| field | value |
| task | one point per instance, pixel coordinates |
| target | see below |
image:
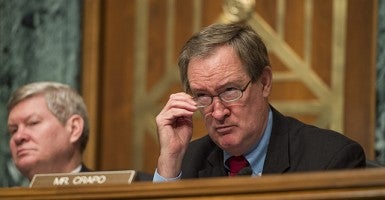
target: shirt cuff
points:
(159, 178)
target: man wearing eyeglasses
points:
(226, 74)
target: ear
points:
(75, 125)
(266, 80)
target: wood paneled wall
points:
(322, 53)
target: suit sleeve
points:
(349, 156)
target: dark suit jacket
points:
(293, 147)
(85, 169)
(143, 176)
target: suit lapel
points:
(277, 158)
(215, 166)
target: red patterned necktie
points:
(236, 163)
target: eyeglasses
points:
(229, 95)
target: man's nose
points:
(220, 111)
(20, 135)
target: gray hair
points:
(245, 41)
(62, 101)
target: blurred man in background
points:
(49, 128)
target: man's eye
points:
(199, 95)
(231, 89)
(32, 123)
(12, 131)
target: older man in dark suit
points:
(226, 74)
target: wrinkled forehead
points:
(29, 106)
(224, 63)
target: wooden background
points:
(322, 53)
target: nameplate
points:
(83, 178)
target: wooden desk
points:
(352, 184)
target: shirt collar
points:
(77, 169)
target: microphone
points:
(246, 171)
